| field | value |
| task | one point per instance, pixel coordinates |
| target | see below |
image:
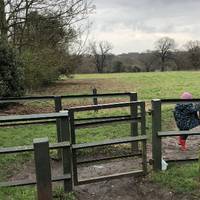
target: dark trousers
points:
(184, 137)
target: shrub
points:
(41, 67)
(11, 72)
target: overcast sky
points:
(134, 25)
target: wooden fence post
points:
(43, 169)
(144, 143)
(156, 141)
(134, 126)
(58, 108)
(95, 101)
(73, 141)
(66, 153)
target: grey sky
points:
(134, 25)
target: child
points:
(186, 118)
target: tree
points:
(181, 60)
(193, 48)
(118, 66)
(100, 51)
(164, 47)
(43, 32)
(44, 50)
(11, 72)
(148, 59)
(14, 14)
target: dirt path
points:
(127, 188)
(171, 149)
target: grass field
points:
(147, 85)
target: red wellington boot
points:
(183, 145)
(179, 140)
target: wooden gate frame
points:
(106, 120)
(158, 134)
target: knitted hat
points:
(186, 95)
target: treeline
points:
(39, 41)
(165, 57)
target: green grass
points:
(25, 193)
(148, 86)
(19, 136)
(152, 85)
(181, 178)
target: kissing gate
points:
(67, 125)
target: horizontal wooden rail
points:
(110, 142)
(182, 160)
(113, 176)
(32, 182)
(98, 95)
(97, 118)
(51, 97)
(20, 149)
(105, 106)
(177, 133)
(15, 118)
(52, 121)
(175, 101)
(27, 123)
(109, 158)
(108, 121)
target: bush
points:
(11, 72)
(41, 67)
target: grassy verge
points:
(180, 178)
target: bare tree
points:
(13, 13)
(164, 47)
(100, 52)
(193, 48)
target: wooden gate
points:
(133, 138)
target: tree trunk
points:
(162, 64)
(3, 22)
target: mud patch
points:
(127, 188)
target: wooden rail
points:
(42, 167)
(175, 101)
(157, 134)
(67, 144)
(177, 133)
(133, 139)
(52, 97)
(110, 142)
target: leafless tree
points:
(13, 13)
(99, 51)
(193, 48)
(164, 47)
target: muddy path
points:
(126, 188)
